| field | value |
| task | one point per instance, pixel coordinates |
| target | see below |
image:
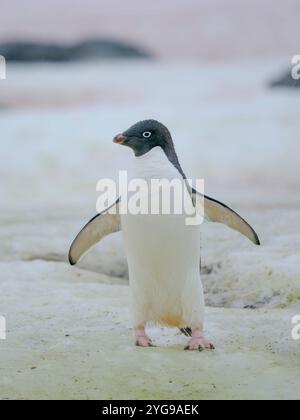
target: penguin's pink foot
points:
(141, 339)
(198, 342)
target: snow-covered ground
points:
(68, 327)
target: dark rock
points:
(286, 80)
(106, 49)
(30, 51)
(85, 50)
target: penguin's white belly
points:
(163, 258)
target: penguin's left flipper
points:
(215, 211)
(97, 228)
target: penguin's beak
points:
(119, 139)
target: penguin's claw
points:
(143, 341)
(199, 343)
(187, 331)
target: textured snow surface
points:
(69, 336)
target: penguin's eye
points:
(146, 134)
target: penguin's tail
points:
(186, 331)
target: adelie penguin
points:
(163, 252)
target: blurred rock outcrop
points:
(85, 50)
(286, 80)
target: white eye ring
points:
(146, 134)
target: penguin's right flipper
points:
(98, 227)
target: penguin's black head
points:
(145, 135)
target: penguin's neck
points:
(155, 164)
(173, 158)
